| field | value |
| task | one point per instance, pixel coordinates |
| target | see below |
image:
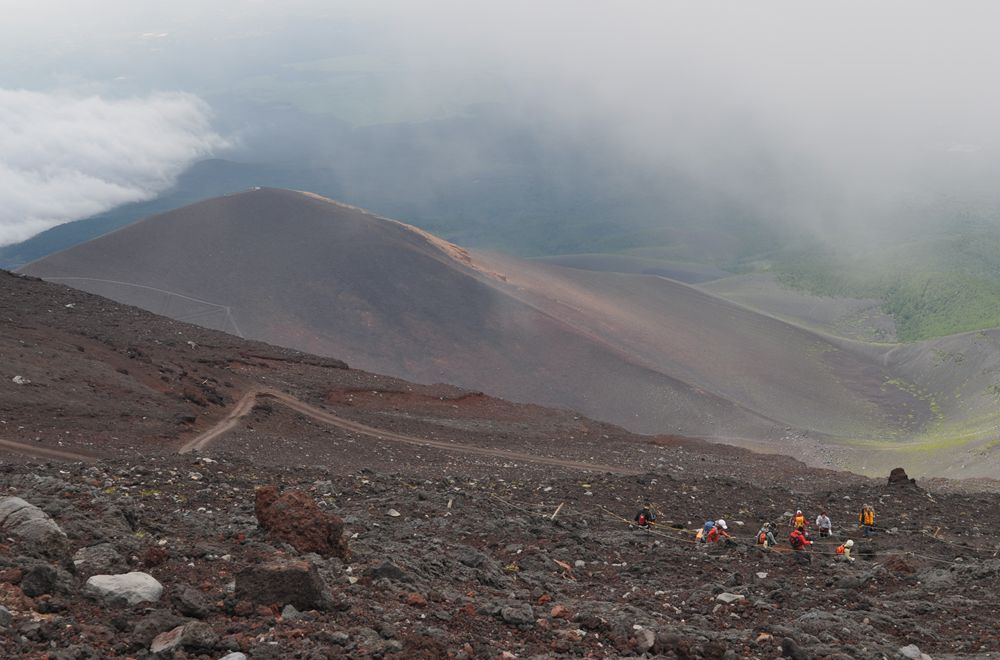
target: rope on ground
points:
(654, 532)
(692, 541)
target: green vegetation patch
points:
(932, 288)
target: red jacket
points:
(798, 540)
(715, 534)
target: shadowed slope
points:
(302, 271)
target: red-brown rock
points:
(11, 575)
(898, 477)
(154, 556)
(416, 600)
(559, 612)
(296, 519)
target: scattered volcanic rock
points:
(520, 614)
(29, 523)
(283, 583)
(898, 477)
(296, 519)
(43, 579)
(131, 588)
(100, 559)
(153, 624)
(386, 571)
(195, 637)
(191, 602)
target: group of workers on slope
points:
(714, 531)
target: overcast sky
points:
(820, 114)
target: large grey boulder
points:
(130, 588)
(282, 583)
(27, 522)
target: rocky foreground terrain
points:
(393, 565)
(322, 511)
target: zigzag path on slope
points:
(247, 401)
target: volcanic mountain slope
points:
(646, 352)
(304, 272)
(456, 548)
(86, 378)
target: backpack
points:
(796, 540)
(840, 549)
(762, 538)
(642, 519)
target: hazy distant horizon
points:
(830, 119)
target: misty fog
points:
(829, 119)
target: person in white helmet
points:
(720, 532)
(844, 550)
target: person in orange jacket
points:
(866, 520)
(799, 520)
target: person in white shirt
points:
(824, 525)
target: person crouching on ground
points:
(824, 525)
(645, 518)
(765, 536)
(844, 550)
(800, 542)
(720, 532)
(705, 529)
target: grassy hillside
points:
(932, 287)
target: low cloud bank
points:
(65, 157)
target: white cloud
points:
(65, 157)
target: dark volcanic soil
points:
(473, 565)
(477, 569)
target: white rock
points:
(579, 563)
(912, 652)
(393, 513)
(133, 587)
(20, 380)
(727, 597)
(234, 656)
(645, 639)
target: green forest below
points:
(932, 287)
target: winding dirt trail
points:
(247, 401)
(44, 452)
